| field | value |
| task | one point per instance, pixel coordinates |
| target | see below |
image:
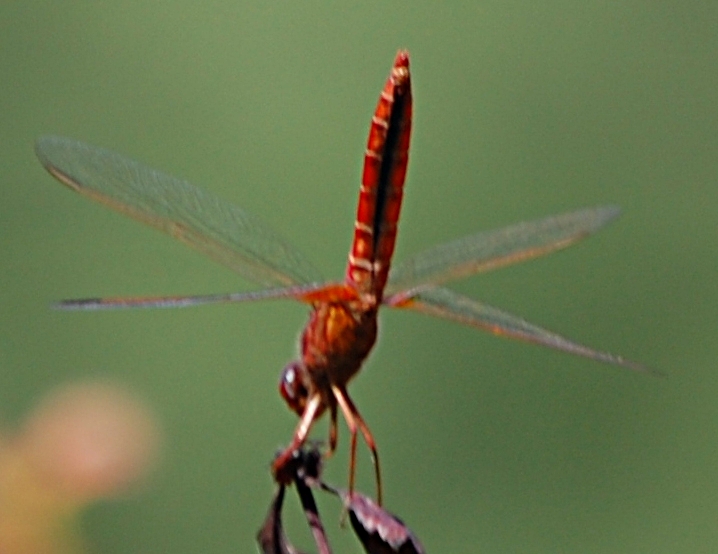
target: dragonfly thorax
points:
(336, 340)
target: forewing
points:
(198, 218)
(450, 305)
(493, 249)
(310, 294)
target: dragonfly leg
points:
(281, 462)
(333, 429)
(354, 421)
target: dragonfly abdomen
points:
(385, 164)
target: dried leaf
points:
(379, 531)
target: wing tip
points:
(45, 147)
(606, 214)
(41, 145)
(638, 367)
(75, 305)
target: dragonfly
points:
(342, 325)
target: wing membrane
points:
(450, 305)
(493, 249)
(194, 216)
(327, 292)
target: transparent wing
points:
(196, 217)
(450, 305)
(315, 292)
(493, 249)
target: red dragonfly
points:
(342, 324)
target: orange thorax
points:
(336, 340)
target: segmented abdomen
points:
(382, 186)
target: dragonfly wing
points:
(327, 292)
(493, 249)
(445, 303)
(220, 230)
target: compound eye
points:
(291, 387)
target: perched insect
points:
(342, 325)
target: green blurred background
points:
(521, 111)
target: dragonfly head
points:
(292, 386)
